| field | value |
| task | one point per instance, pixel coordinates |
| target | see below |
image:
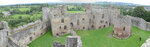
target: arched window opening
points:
(57, 34)
(106, 22)
(99, 27)
(77, 22)
(123, 28)
(30, 38)
(83, 19)
(104, 26)
(65, 27)
(93, 16)
(102, 15)
(89, 21)
(71, 25)
(62, 20)
(83, 27)
(92, 26)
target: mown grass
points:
(101, 38)
(47, 40)
(96, 38)
(25, 15)
(75, 11)
(24, 9)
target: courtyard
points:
(96, 38)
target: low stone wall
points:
(71, 41)
(140, 23)
(25, 34)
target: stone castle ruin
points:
(92, 18)
(122, 27)
(71, 41)
(61, 22)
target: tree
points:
(142, 13)
(139, 11)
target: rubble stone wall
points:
(25, 34)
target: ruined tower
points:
(122, 27)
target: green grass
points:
(99, 38)
(17, 15)
(96, 38)
(24, 9)
(75, 11)
(47, 40)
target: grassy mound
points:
(96, 38)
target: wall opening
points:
(109, 24)
(65, 27)
(104, 26)
(77, 22)
(99, 27)
(30, 38)
(7, 32)
(60, 27)
(93, 16)
(92, 26)
(41, 33)
(57, 34)
(83, 27)
(1, 28)
(102, 15)
(101, 21)
(89, 21)
(106, 22)
(71, 25)
(123, 28)
(83, 19)
(54, 15)
(62, 20)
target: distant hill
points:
(117, 3)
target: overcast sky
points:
(9, 2)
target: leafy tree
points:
(139, 11)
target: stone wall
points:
(147, 43)
(25, 34)
(122, 27)
(4, 32)
(71, 41)
(94, 17)
(140, 23)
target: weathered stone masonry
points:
(92, 18)
(61, 22)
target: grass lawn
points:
(96, 38)
(47, 40)
(75, 11)
(101, 38)
(24, 9)
(26, 15)
(17, 15)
